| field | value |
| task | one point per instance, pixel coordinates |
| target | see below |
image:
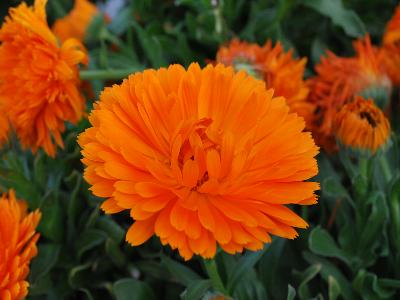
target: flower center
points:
(370, 119)
(246, 64)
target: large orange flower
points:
(38, 78)
(339, 79)
(17, 246)
(199, 157)
(278, 68)
(361, 125)
(75, 24)
(391, 47)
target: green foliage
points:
(352, 248)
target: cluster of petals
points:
(339, 80)
(278, 68)
(17, 246)
(361, 125)
(200, 158)
(76, 22)
(38, 78)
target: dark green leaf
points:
(347, 19)
(132, 289)
(196, 289)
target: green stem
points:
(387, 173)
(111, 74)
(364, 167)
(212, 271)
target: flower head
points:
(391, 47)
(278, 68)
(339, 79)
(17, 246)
(362, 125)
(75, 24)
(38, 78)
(199, 157)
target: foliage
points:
(350, 251)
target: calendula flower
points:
(391, 47)
(38, 78)
(75, 24)
(362, 125)
(340, 79)
(199, 157)
(17, 246)
(276, 67)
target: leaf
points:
(180, 272)
(79, 276)
(88, 240)
(347, 19)
(291, 293)
(108, 225)
(370, 287)
(334, 288)
(41, 265)
(52, 222)
(132, 289)
(245, 263)
(305, 277)
(334, 188)
(152, 46)
(196, 289)
(320, 242)
(115, 253)
(329, 269)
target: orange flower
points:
(199, 157)
(362, 125)
(339, 79)
(38, 79)
(279, 70)
(391, 47)
(17, 246)
(75, 24)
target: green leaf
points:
(114, 252)
(88, 240)
(79, 276)
(196, 289)
(180, 272)
(334, 288)
(245, 263)
(330, 269)
(347, 19)
(370, 287)
(305, 277)
(334, 188)
(52, 222)
(291, 293)
(41, 265)
(132, 289)
(108, 225)
(320, 242)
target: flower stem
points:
(111, 74)
(212, 271)
(387, 173)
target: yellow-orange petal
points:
(17, 245)
(194, 155)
